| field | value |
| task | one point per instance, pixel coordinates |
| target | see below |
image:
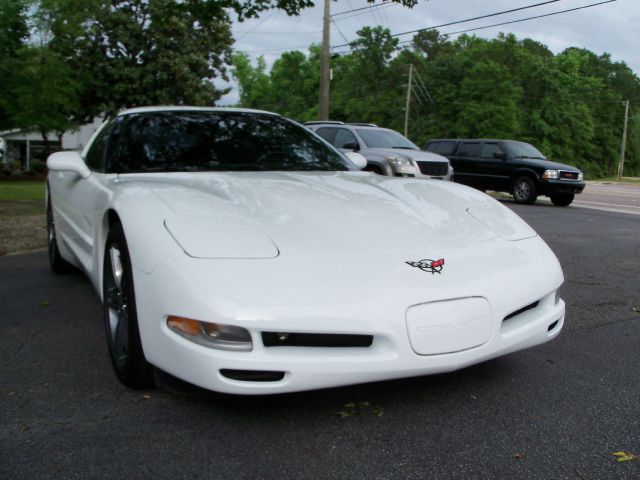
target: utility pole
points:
(624, 140)
(406, 108)
(325, 68)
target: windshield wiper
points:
(406, 148)
(526, 156)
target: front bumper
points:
(562, 186)
(189, 287)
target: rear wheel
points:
(56, 262)
(562, 199)
(524, 190)
(120, 317)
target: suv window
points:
(469, 149)
(344, 137)
(328, 133)
(442, 147)
(488, 149)
(381, 138)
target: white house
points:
(24, 147)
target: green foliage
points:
(44, 91)
(13, 33)
(93, 57)
(141, 52)
(569, 105)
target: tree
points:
(44, 93)
(141, 52)
(13, 33)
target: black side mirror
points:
(351, 146)
(500, 155)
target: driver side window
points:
(344, 137)
(96, 155)
(489, 149)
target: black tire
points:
(57, 264)
(562, 199)
(524, 190)
(120, 315)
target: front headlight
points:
(216, 335)
(580, 177)
(398, 161)
(550, 174)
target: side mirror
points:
(68, 162)
(500, 155)
(351, 146)
(357, 159)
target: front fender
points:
(142, 216)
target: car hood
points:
(268, 214)
(417, 155)
(549, 165)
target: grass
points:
(21, 190)
(19, 198)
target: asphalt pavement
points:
(556, 411)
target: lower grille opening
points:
(291, 339)
(553, 325)
(433, 168)
(521, 310)
(252, 375)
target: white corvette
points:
(238, 251)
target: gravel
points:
(22, 233)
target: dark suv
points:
(510, 166)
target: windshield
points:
(523, 150)
(379, 138)
(197, 141)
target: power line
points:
(339, 31)
(502, 23)
(361, 8)
(528, 18)
(469, 19)
(377, 8)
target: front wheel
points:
(524, 190)
(562, 199)
(120, 317)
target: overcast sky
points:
(612, 27)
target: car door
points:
(493, 167)
(78, 202)
(465, 163)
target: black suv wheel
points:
(524, 190)
(561, 199)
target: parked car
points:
(237, 251)
(510, 166)
(387, 152)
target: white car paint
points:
(314, 252)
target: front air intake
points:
(291, 339)
(252, 375)
(531, 306)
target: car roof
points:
(181, 108)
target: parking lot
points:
(556, 411)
